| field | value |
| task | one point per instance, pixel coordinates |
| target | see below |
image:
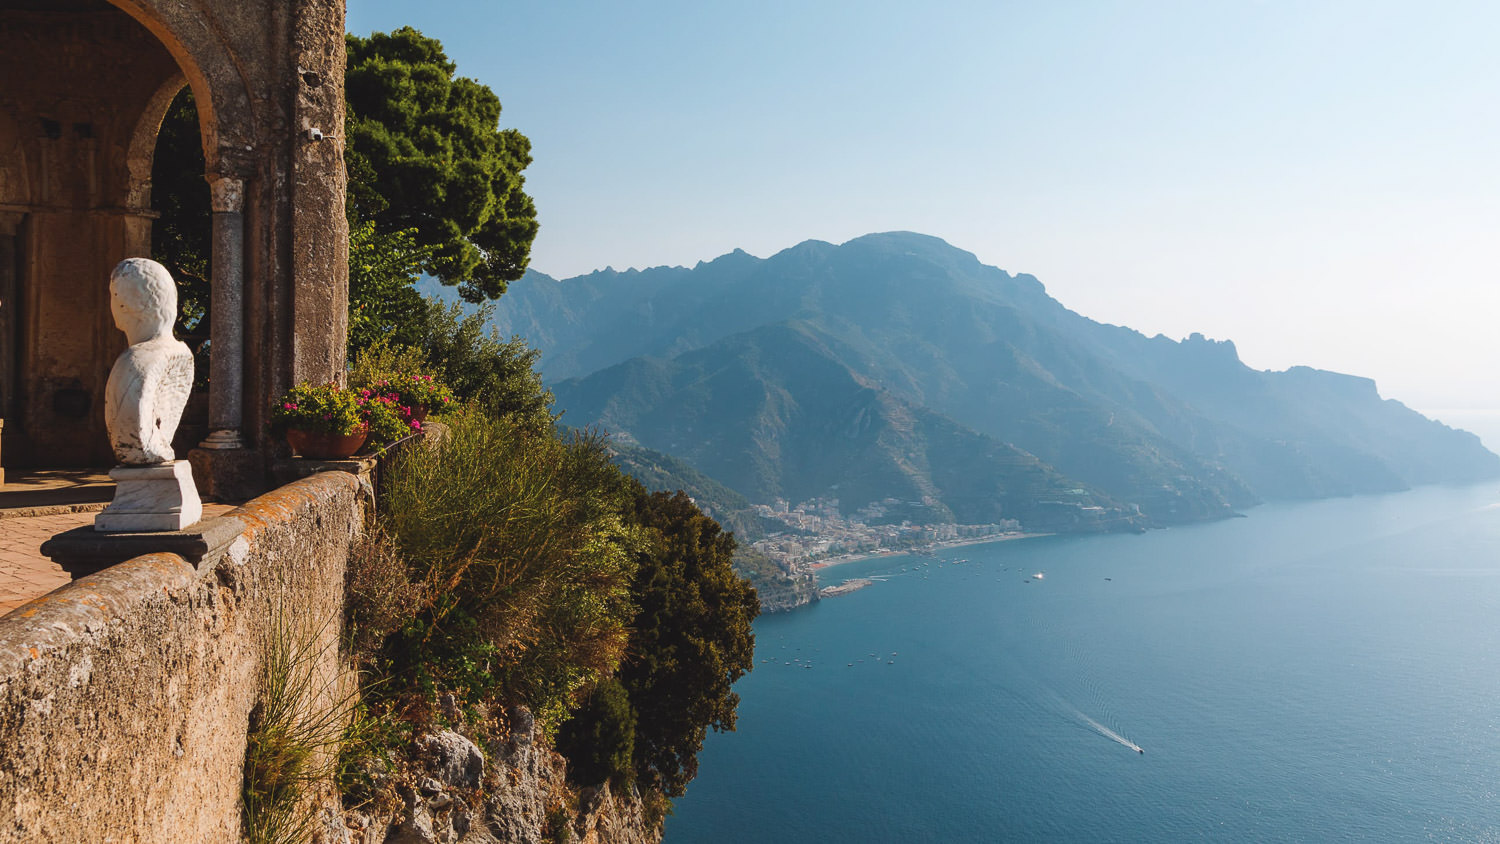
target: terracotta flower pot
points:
(419, 413)
(317, 445)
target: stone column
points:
(225, 466)
(226, 386)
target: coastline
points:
(844, 588)
(947, 543)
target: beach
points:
(948, 543)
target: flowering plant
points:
(389, 420)
(319, 408)
(417, 390)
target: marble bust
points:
(150, 382)
(143, 402)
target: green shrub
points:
(453, 656)
(417, 389)
(379, 597)
(388, 421)
(322, 408)
(384, 360)
(559, 826)
(296, 732)
(691, 639)
(534, 566)
(499, 376)
(517, 540)
(366, 761)
(599, 739)
(383, 299)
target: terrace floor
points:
(37, 504)
(44, 492)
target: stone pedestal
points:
(151, 498)
(83, 550)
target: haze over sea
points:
(1317, 671)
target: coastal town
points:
(818, 534)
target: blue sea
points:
(1321, 671)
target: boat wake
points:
(1108, 733)
(1077, 716)
(1030, 686)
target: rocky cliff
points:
(786, 593)
(513, 790)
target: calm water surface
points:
(1327, 671)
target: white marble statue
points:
(143, 401)
(150, 382)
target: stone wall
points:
(125, 697)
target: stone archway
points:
(79, 74)
(87, 84)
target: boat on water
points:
(1039, 576)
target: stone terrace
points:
(36, 505)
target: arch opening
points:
(88, 85)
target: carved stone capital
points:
(226, 193)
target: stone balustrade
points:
(126, 696)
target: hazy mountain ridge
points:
(676, 358)
(774, 413)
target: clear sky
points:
(1317, 181)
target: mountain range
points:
(896, 366)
